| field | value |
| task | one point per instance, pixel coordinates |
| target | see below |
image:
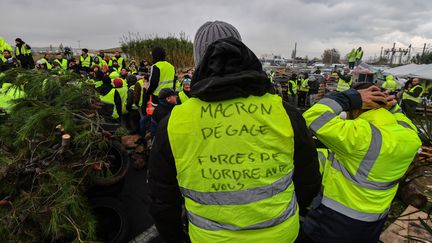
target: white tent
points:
(403, 71)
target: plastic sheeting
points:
(412, 70)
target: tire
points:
(120, 163)
(112, 222)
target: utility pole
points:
(294, 53)
(381, 53)
(401, 52)
(424, 49)
(409, 53)
(79, 44)
(392, 52)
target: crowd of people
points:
(243, 164)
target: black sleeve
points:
(130, 99)
(307, 177)
(166, 201)
(349, 100)
(28, 47)
(154, 79)
(123, 63)
(118, 103)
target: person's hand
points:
(391, 101)
(372, 98)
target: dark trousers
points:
(323, 224)
(302, 96)
(132, 121)
(409, 108)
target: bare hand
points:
(373, 98)
(391, 101)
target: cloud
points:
(266, 26)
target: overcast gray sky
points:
(265, 26)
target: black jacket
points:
(228, 70)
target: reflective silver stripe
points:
(239, 197)
(360, 178)
(396, 109)
(166, 82)
(332, 104)
(406, 125)
(208, 224)
(322, 158)
(372, 154)
(322, 120)
(362, 216)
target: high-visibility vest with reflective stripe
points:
(109, 98)
(343, 86)
(390, 84)
(49, 66)
(22, 51)
(119, 62)
(183, 97)
(371, 153)
(304, 85)
(166, 77)
(359, 54)
(323, 154)
(150, 106)
(123, 92)
(85, 62)
(8, 93)
(293, 86)
(407, 96)
(234, 162)
(63, 63)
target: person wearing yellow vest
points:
(85, 61)
(234, 151)
(358, 56)
(184, 95)
(101, 58)
(343, 84)
(23, 54)
(292, 90)
(9, 62)
(161, 75)
(43, 63)
(167, 100)
(411, 97)
(303, 90)
(351, 58)
(111, 99)
(371, 151)
(62, 63)
(4, 46)
(390, 84)
(120, 60)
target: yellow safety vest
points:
(85, 62)
(49, 66)
(63, 63)
(123, 92)
(8, 94)
(119, 61)
(183, 97)
(390, 84)
(166, 78)
(359, 54)
(109, 98)
(407, 96)
(294, 87)
(343, 86)
(234, 162)
(304, 85)
(140, 102)
(370, 155)
(22, 51)
(102, 62)
(352, 56)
